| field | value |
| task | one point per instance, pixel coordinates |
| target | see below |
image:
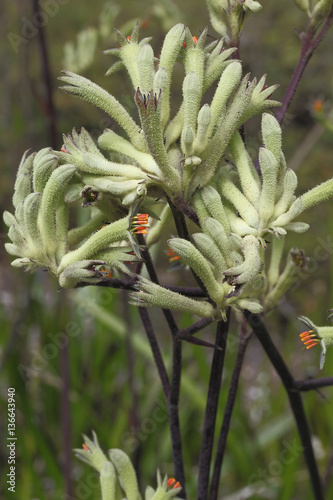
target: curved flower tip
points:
(322, 335)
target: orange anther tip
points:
(171, 481)
(85, 447)
(177, 485)
(318, 105)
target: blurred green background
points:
(110, 380)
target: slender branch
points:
(173, 400)
(65, 410)
(156, 351)
(221, 445)
(186, 333)
(177, 452)
(128, 284)
(185, 208)
(133, 411)
(310, 43)
(295, 399)
(211, 408)
(308, 385)
(153, 276)
(47, 78)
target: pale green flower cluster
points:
(196, 159)
(118, 479)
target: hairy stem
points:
(211, 408)
(295, 399)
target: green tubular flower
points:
(84, 270)
(146, 68)
(217, 232)
(250, 268)
(211, 251)
(44, 163)
(172, 45)
(322, 335)
(110, 141)
(118, 478)
(166, 489)
(52, 197)
(90, 92)
(191, 256)
(213, 203)
(112, 233)
(149, 294)
(126, 474)
(151, 123)
(108, 479)
(92, 453)
(248, 176)
(269, 171)
(229, 80)
(194, 56)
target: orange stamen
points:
(140, 224)
(85, 447)
(172, 256)
(171, 481)
(318, 106)
(194, 38)
(64, 150)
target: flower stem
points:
(173, 400)
(295, 399)
(211, 408)
(156, 351)
(177, 452)
(221, 445)
(308, 385)
(310, 43)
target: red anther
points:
(85, 447)
(171, 481)
(177, 485)
(140, 224)
(64, 150)
(311, 345)
(128, 38)
(311, 341)
(306, 334)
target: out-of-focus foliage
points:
(126, 406)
